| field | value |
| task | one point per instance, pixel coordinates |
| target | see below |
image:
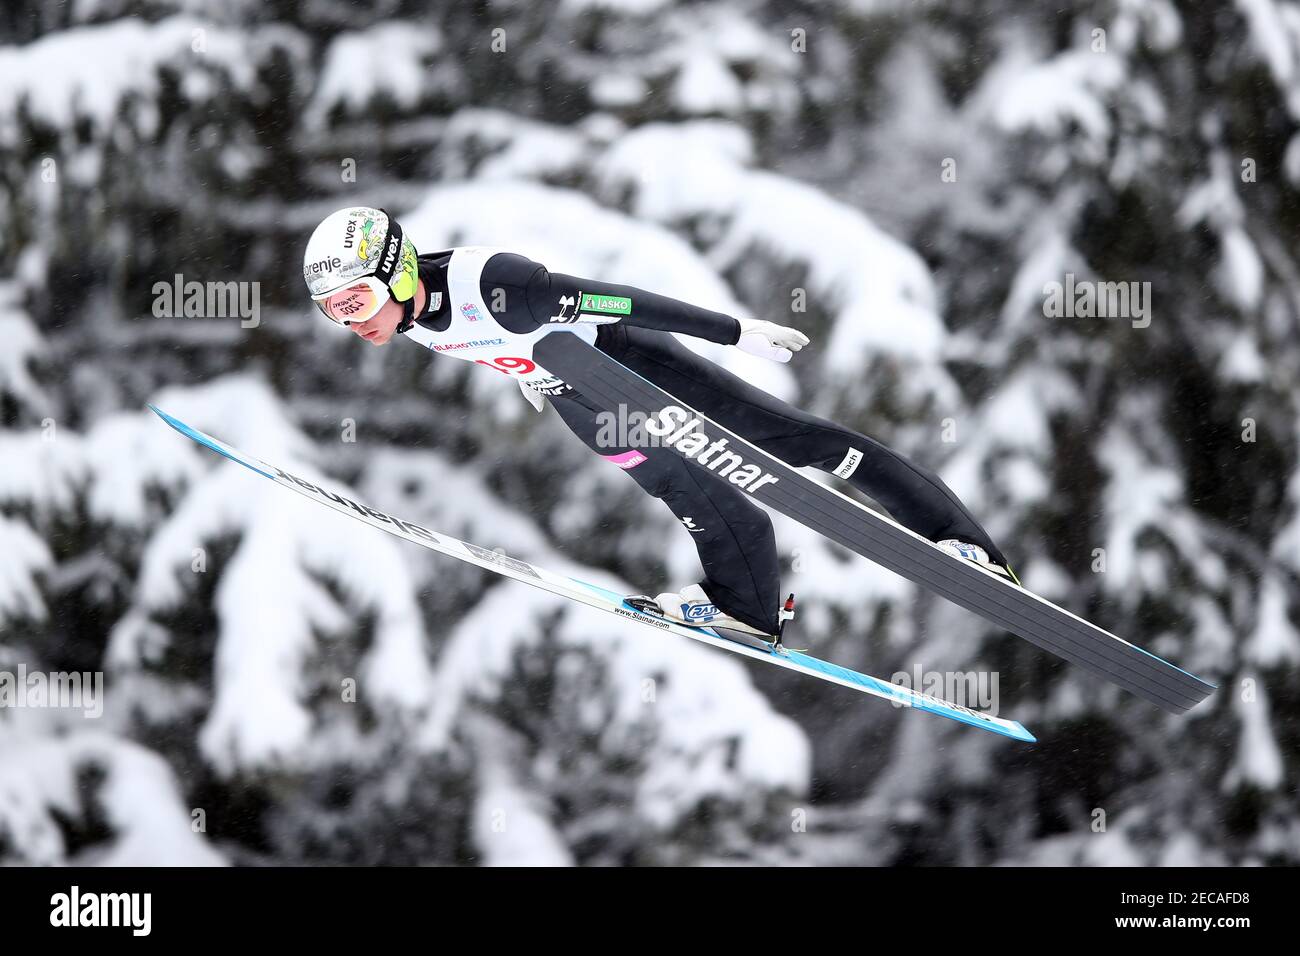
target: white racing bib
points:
(475, 335)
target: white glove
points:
(769, 340)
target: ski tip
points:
(1019, 732)
(1003, 726)
(208, 441)
(186, 430)
(179, 425)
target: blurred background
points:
(904, 181)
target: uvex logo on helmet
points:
(390, 254)
(349, 233)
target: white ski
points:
(595, 596)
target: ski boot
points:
(973, 552)
(692, 607)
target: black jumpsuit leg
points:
(733, 536)
(916, 497)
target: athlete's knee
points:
(821, 444)
(657, 477)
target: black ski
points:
(612, 387)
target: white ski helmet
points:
(355, 260)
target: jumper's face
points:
(379, 328)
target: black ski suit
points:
(733, 535)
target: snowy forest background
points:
(901, 180)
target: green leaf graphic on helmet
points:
(407, 278)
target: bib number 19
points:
(509, 364)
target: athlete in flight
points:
(491, 307)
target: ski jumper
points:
(496, 305)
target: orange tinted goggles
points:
(356, 303)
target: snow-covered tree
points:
(907, 182)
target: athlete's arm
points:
(555, 297)
(524, 295)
